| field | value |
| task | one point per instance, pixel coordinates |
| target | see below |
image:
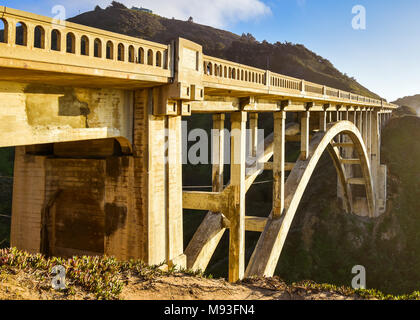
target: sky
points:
(375, 41)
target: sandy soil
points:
(23, 286)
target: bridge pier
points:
(107, 202)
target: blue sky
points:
(384, 57)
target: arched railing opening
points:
(21, 34)
(110, 50)
(97, 48)
(121, 52)
(209, 69)
(150, 57)
(158, 59)
(131, 55)
(39, 37)
(55, 40)
(141, 55)
(70, 43)
(4, 31)
(84, 46)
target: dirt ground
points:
(22, 286)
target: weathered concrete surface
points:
(98, 200)
(37, 114)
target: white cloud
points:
(216, 13)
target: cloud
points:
(216, 13)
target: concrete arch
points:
(267, 251)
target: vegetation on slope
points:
(106, 278)
(412, 102)
(285, 58)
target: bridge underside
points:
(114, 193)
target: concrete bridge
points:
(96, 120)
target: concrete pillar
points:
(323, 121)
(218, 140)
(237, 209)
(369, 132)
(253, 126)
(278, 162)
(375, 149)
(175, 246)
(304, 138)
(360, 121)
(365, 126)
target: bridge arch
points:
(267, 251)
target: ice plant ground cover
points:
(105, 278)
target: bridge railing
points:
(31, 41)
(229, 73)
(222, 73)
(37, 38)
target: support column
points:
(338, 118)
(375, 150)
(369, 132)
(253, 126)
(175, 246)
(218, 140)
(360, 121)
(205, 240)
(237, 205)
(304, 138)
(278, 163)
(323, 121)
(365, 126)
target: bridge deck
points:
(42, 49)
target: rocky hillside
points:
(412, 102)
(285, 58)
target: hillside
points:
(412, 102)
(28, 277)
(285, 58)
